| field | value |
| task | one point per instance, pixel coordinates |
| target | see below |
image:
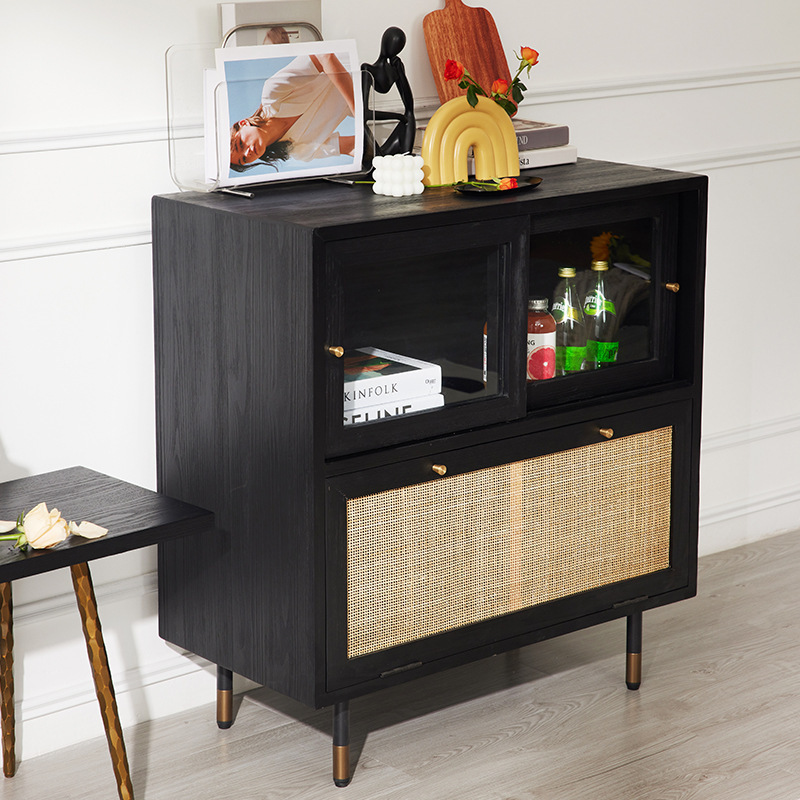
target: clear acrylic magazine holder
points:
(196, 105)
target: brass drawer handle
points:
(673, 287)
(336, 351)
(608, 433)
(439, 469)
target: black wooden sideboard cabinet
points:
(355, 557)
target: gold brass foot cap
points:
(341, 765)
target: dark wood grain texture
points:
(249, 296)
(234, 399)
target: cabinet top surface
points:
(330, 208)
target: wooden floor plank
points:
(717, 718)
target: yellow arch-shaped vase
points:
(455, 128)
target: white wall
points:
(708, 85)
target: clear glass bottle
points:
(602, 336)
(541, 341)
(570, 327)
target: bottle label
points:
(601, 352)
(596, 303)
(541, 356)
(570, 359)
(562, 311)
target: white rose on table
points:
(41, 529)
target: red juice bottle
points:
(541, 341)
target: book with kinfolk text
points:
(373, 376)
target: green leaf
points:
(506, 105)
(472, 97)
(516, 94)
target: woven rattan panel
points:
(428, 558)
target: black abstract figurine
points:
(386, 72)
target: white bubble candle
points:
(397, 175)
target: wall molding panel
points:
(81, 242)
(610, 88)
(20, 142)
(767, 501)
(750, 434)
(734, 157)
(706, 79)
(89, 241)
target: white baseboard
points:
(733, 524)
(71, 715)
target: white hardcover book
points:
(395, 408)
(546, 157)
(373, 376)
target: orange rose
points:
(507, 183)
(500, 86)
(453, 70)
(529, 56)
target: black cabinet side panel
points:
(235, 433)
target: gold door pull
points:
(673, 287)
(337, 351)
(608, 433)
(439, 469)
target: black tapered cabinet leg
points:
(224, 697)
(341, 743)
(633, 664)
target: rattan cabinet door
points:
(514, 537)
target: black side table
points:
(135, 518)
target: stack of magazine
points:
(379, 385)
(541, 144)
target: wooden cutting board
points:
(468, 35)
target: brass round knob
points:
(608, 433)
(673, 287)
(336, 351)
(439, 469)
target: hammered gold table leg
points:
(7, 680)
(87, 604)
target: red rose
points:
(500, 86)
(529, 56)
(453, 70)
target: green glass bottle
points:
(602, 337)
(570, 328)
